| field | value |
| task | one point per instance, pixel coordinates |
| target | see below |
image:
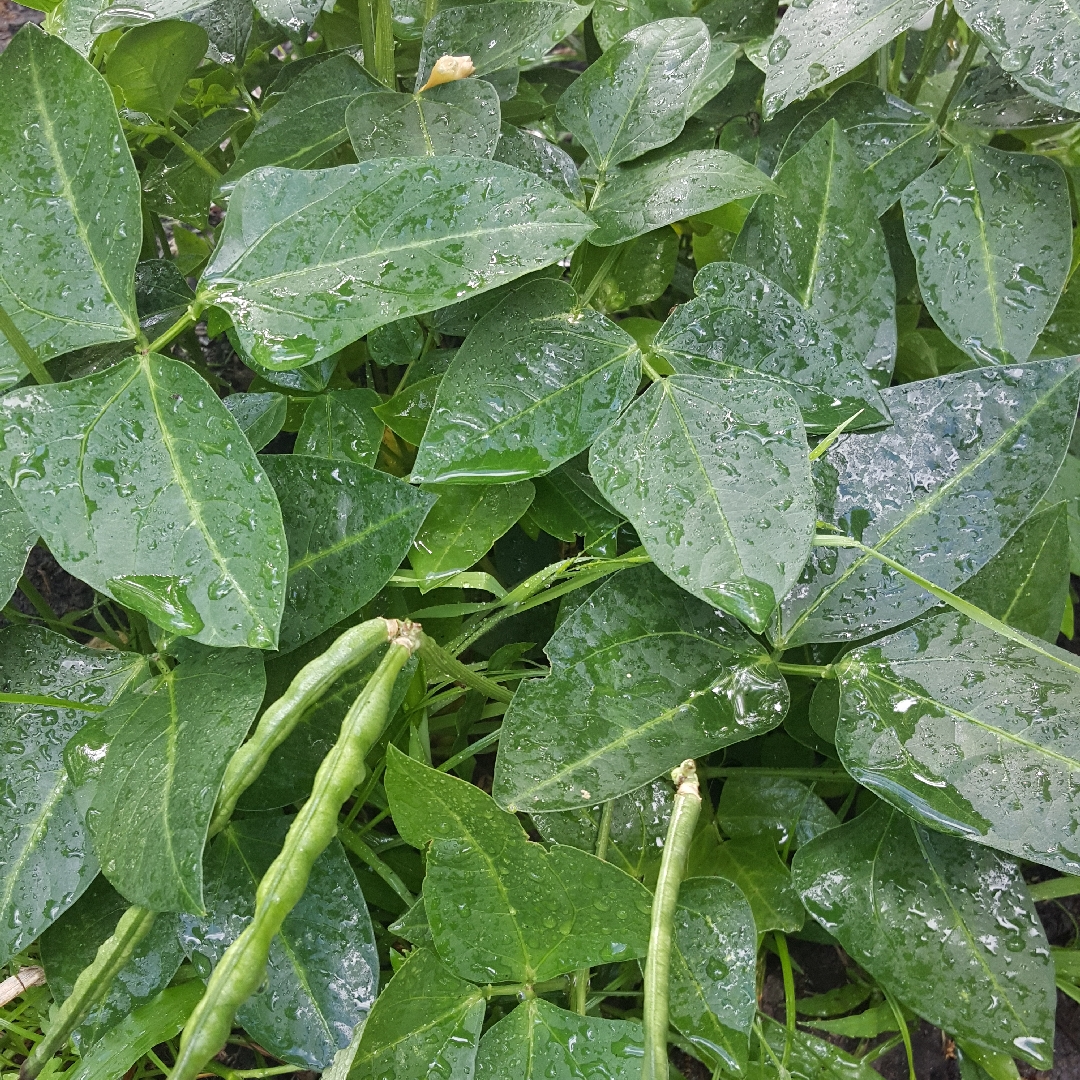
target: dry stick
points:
(19, 983)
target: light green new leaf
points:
(993, 756)
(462, 526)
(533, 153)
(540, 1041)
(302, 274)
(641, 197)
(743, 322)
(533, 385)
(456, 118)
(425, 1024)
(635, 97)
(639, 273)
(816, 43)
(260, 416)
(348, 527)
(170, 742)
(71, 233)
(17, 537)
(991, 232)
(822, 243)
(342, 425)
(753, 864)
(714, 475)
(227, 22)
(949, 928)
(143, 485)
(323, 971)
(651, 676)
(151, 64)
(904, 491)
(47, 860)
(777, 806)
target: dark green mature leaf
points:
(532, 386)
(540, 1041)
(991, 99)
(640, 272)
(822, 243)
(741, 321)
(151, 64)
(71, 234)
(980, 446)
(456, 118)
(170, 743)
(893, 141)
(426, 1023)
(341, 425)
(399, 342)
(1037, 44)
(713, 969)
(308, 121)
(717, 74)
(635, 97)
(752, 863)
(260, 416)
(294, 16)
(646, 196)
(992, 756)
(991, 294)
(612, 19)
(70, 943)
(533, 153)
(736, 528)
(302, 275)
(816, 43)
(777, 806)
(1066, 488)
(651, 676)
(407, 413)
(568, 504)
(349, 527)
(462, 526)
(1061, 335)
(323, 972)
(17, 537)
(948, 927)
(807, 1057)
(143, 485)
(46, 860)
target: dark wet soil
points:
(12, 16)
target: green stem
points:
(37, 601)
(551, 986)
(936, 37)
(367, 43)
(384, 44)
(904, 1033)
(684, 817)
(471, 750)
(883, 68)
(597, 279)
(723, 772)
(580, 1002)
(359, 847)
(431, 7)
(190, 152)
(23, 349)
(1055, 888)
(789, 992)
(189, 318)
(958, 79)
(896, 69)
(810, 671)
(820, 449)
(438, 659)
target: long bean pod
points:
(243, 965)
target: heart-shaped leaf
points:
(341, 425)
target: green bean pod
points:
(91, 985)
(243, 965)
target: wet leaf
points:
(752, 863)
(260, 416)
(17, 537)
(921, 911)
(808, 1057)
(1061, 335)
(787, 810)
(736, 528)
(227, 22)
(341, 425)
(978, 445)
(652, 676)
(150, 65)
(170, 741)
(142, 485)
(568, 504)
(294, 16)
(468, 225)
(534, 383)
(640, 273)
(993, 292)
(612, 19)
(717, 74)
(529, 151)
(407, 413)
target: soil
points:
(12, 16)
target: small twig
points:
(19, 983)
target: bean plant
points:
(574, 504)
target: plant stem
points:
(189, 318)
(780, 941)
(23, 349)
(37, 601)
(883, 68)
(896, 69)
(1055, 888)
(597, 279)
(188, 150)
(684, 817)
(810, 671)
(937, 35)
(367, 40)
(904, 1033)
(722, 772)
(471, 750)
(437, 658)
(958, 79)
(580, 994)
(359, 847)
(384, 44)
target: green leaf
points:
(713, 970)
(1061, 335)
(456, 118)
(293, 16)
(822, 243)
(741, 322)
(651, 676)
(532, 386)
(822, 41)
(407, 413)
(635, 97)
(657, 192)
(143, 486)
(17, 537)
(612, 19)
(501, 908)
(993, 293)
(323, 971)
(151, 64)
(302, 275)
(807, 1057)
(540, 1041)
(462, 526)
(170, 744)
(70, 943)
(1066, 488)
(349, 528)
(777, 806)
(342, 426)
(736, 529)
(868, 1024)
(47, 859)
(892, 140)
(259, 416)
(905, 490)
(948, 927)
(399, 342)
(990, 756)
(425, 1024)
(307, 122)
(752, 863)
(533, 153)
(640, 273)
(73, 232)
(228, 22)
(717, 74)
(1038, 47)
(569, 504)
